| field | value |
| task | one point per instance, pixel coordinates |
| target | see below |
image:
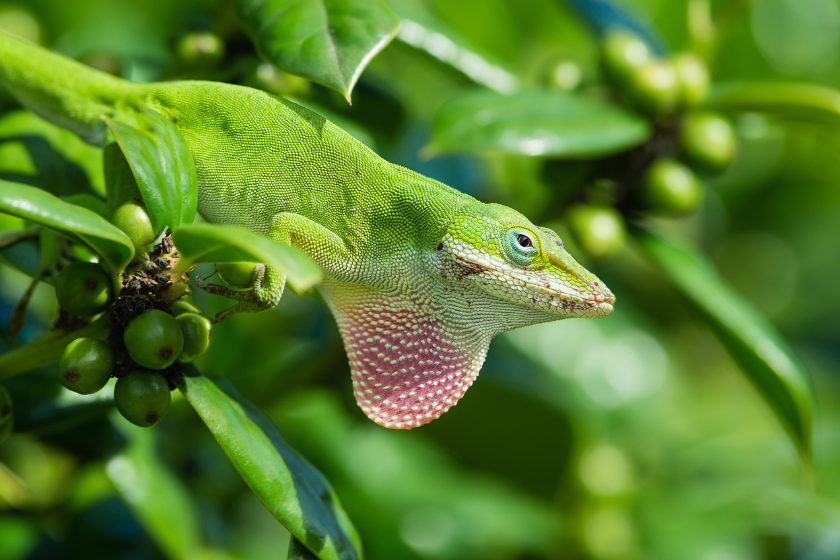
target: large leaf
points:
(216, 244)
(44, 406)
(603, 16)
(429, 35)
(71, 220)
(36, 152)
(547, 123)
(293, 491)
(805, 101)
(154, 494)
(328, 41)
(163, 168)
(749, 338)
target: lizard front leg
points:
(268, 282)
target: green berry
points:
(185, 304)
(623, 53)
(84, 288)
(135, 222)
(238, 275)
(153, 339)
(6, 417)
(196, 330)
(142, 397)
(85, 365)
(692, 78)
(670, 188)
(708, 141)
(201, 49)
(598, 230)
(653, 89)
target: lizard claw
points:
(264, 293)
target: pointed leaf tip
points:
(328, 42)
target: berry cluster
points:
(661, 177)
(148, 335)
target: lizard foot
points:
(264, 293)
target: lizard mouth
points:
(543, 293)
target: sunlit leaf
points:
(163, 168)
(158, 499)
(749, 338)
(293, 491)
(70, 220)
(328, 41)
(804, 101)
(604, 16)
(216, 244)
(436, 39)
(547, 123)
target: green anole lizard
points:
(419, 276)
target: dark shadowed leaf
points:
(800, 101)
(604, 16)
(158, 499)
(328, 41)
(297, 551)
(546, 123)
(216, 244)
(163, 168)
(290, 488)
(70, 220)
(749, 338)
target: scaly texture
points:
(419, 276)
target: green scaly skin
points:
(419, 276)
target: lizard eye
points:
(521, 246)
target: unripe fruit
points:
(238, 275)
(693, 79)
(708, 141)
(84, 288)
(196, 330)
(670, 188)
(142, 397)
(85, 365)
(203, 49)
(598, 230)
(185, 304)
(6, 419)
(654, 88)
(623, 53)
(153, 339)
(135, 222)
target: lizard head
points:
(500, 252)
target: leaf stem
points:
(48, 348)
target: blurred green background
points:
(630, 437)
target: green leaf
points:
(297, 551)
(163, 168)
(804, 101)
(328, 41)
(70, 220)
(290, 488)
(216, 244)
(535, 123)
(757, 348)
(44, 406)
(433, 37)
(158, 499)
(38, 153)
